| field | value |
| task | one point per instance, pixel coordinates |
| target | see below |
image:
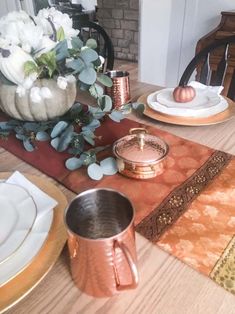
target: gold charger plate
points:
(188, 121)
(18, 287)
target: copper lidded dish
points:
(140, 155)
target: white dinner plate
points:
(35, 239)
(17, 215)
(205, 104)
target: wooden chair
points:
(89, 29)
(201, 63)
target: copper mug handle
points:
(132, 265)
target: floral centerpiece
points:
(43, 63)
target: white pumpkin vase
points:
(24, 108)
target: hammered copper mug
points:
(120, 91)
(101, 242)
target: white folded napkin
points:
(214, 89)
(43, 201)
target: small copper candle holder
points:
(120, 91)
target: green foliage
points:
(47, 63)
(30, 67)
(70, 133)
(105, 80)
(60, 34)
(91, 43)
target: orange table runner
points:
(189, 210)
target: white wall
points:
(154, 36)
(173, 28)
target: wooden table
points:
(166, 284)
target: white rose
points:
(58, 19)
(45, 45)
(62, 82)
(12, 24)
(31, 35)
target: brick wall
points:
(120, 19)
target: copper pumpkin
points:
(184, 93)
(140, 155)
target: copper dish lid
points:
(140, 148)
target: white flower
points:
(12, 25)
(35, 94)
(62, 82)
(45, 45)
(31, 35)
(58, 19)
(45, 93)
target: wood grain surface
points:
(167, 286)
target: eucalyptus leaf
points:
(59, 128)
(105, 103)
(61, 50)
(76, 43)
(105, 80)
(88, 158)
(126, 109)
(138, 107)
(96, 90)
(42, 136)
(31, 126)
(91, 43)
(55, 143)
(88, 76)
(21, 137)
(116, 116)
(83, 86)
(77, 65)
(92, 126)
(5, 126)
(73, 163)
(109, 166)
(28, 145)
(89, 139)
(89, 55)
(65, 139)
(95, 172)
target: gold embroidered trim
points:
(177, 202)
(224, 270)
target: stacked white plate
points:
(205, 104)
(24, 225)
